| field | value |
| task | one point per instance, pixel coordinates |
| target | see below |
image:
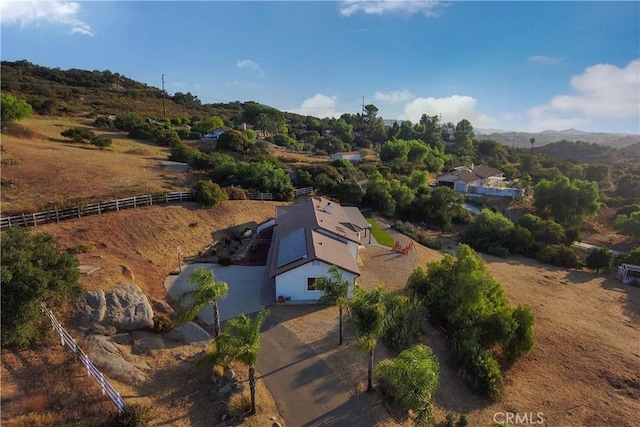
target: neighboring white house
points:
(480, 180)
(308, 239)
(354, 156)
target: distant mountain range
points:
(522, 139)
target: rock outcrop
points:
(128, 308)
(188, 333)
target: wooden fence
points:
(57, 215)
(67, 340)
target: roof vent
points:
(329, 208)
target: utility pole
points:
(164, 109)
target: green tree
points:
(240, 342)
(378, 193)
(522, 339)
(207, 291)
(34, 269)
(629, 224)
(343, 130)
(490, 232)
(127, 121)
(368, 319)
(267, 123)
(413, 377)
(599, 258)
(401, 193)
(78, 134)
(14, 109)
(568, 202)
(335, 291)
(233, 140)
(209, 194)
(464, 129)
(208, 125)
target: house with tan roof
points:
(478, 180)
(309, 238)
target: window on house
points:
(311, 284)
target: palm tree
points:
(335, 291)
(240, 342)
(413, 376)
(208, 291)
(532, 141)
(369, 318)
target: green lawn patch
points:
(380, 235)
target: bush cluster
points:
(409, 320)
(132, 416)
(559, 255)
(161, 323)
(462, 297)
(81, 134)
(209, 194)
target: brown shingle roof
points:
(318, 216)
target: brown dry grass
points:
(40, 388)
(59, 174)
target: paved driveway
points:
(245, 284)
(307, 391)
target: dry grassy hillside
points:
(145, 239)
(39, 174)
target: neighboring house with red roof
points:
(308, 239)
(480, 180)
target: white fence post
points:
(105, 386)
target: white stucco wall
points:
(293, 283)
(353, 248)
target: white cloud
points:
(453, 109)
(545, 60)
(394, 97)
(603, 91)
(252, 65)
(511, 116)
(399, 7)
(318, 106)
(34, 12)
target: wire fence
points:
(67, 340)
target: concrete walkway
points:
(306, 390)
(244, 283)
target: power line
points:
(164, 110)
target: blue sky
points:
(526, 66)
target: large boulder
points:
(108, 359)
(92, 307)
(188, 333)
(128, 308)
(145, 342)
(163, 307)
